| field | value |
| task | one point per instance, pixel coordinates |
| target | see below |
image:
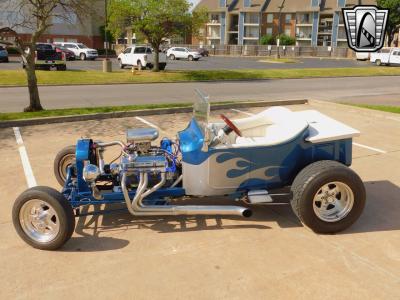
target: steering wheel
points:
(230, 126)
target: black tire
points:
(172, 57)
(61, 206)
(162, 66)
(121, 65)
(190, 58)
(82, 56)
(309, 181)
(378, 62)
(63, 160)
(62, 68)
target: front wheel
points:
(190, 58)
(140, 66)
(82, 56)
(378, 62)
(64, 159)
(172, 57)
(328, 197)
(43, 218)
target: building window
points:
(303, 19)
(251, 18)
(270, 18)
(251, 32)
(288, 18)
(269, 31)
(214, 18)
(288, 31)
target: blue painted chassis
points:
(291, 157)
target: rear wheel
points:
(43, 218)
(378, 62)
(328, 197)
(82, 56)
(64, 159)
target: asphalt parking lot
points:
(215, 63)
(269, 256)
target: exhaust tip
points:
(247, 213)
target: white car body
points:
(386, 56)
(183, 53)
(362, 55)
(141, 57)
(80, 50)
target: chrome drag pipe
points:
(137, 208)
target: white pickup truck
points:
(141, 57)
(386, 56)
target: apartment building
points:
(85, 31)
(243, 22)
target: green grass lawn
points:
(391, 109)
(85, 111)
(18, 78)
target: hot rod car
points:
(305, 153)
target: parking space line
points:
(30, 178)
(355, 144)
(243, 112)
(147, 123)
(369, 148)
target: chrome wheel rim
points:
(333, 201)
(39, 221)
(67, 161)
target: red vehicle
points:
(69, 55)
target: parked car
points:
(141, 57)
(362, 55)
(386, 56)
(69, 55)
(183, 53)
(80, 50)
(47, 58)
(203, 52)
(3, 54)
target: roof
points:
(289, 6)
(211, 5)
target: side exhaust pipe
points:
(137, 208)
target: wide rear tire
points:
(43, 218)
(328, 197)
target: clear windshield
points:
(82, 46)
(201, 110)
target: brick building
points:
(85, 31)
(243, 22)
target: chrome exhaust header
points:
(137, 208)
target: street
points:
(216, 63)
(384, 90)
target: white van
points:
(80, 50)
(386, 56)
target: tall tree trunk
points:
(34, 99)
(156, 59)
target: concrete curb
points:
(143, 112)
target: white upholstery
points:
(273, 126)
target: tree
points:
(156, 20)
(36, 17)
(393, 22)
